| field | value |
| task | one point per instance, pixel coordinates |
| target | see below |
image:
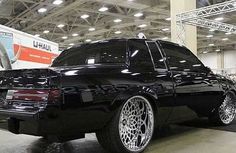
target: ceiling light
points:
(165, 38)
(88, 40)
(60, 25)
(130, 0)
(85, 16)
(117, 20)
(219, 19)
(46, 31)
(118, 32)
(57, 2)
(75, 34)
(211, 45)
(225, 39)
(204, 52)
(71, 44)
(103, 9)
(168, 19)
(92, 29)
(228, 33)
(209, 36)
(217, 50)
(37, 35)
(212, 30)
(138, 14)
(42, 10)
(142, 25)
(165, 29)
(64, 37)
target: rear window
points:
(111, 52)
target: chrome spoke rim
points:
(136, 123)
(227, 110)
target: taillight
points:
(34, 95)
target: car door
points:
(196, 89)
(162, 76)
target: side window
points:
(139, 55)
(181, 59)
(156, 55)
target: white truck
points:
(21, 50)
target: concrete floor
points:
(178, 139)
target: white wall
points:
(209, 59)
(230, 59)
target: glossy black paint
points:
(89, 95)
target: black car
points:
(122, 89)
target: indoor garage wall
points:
(209, 60)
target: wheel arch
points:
(146, 92)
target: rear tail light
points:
(37, 95)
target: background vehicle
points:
(121, 89)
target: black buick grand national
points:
(122, 89)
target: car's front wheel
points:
(226, 112)
(131, 129)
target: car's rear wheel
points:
(226, 112)
(131, 129)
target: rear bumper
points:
(19, 114)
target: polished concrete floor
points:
(177, 139)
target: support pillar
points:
(190, 35)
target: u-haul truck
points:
(24, 50)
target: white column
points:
(180, 6)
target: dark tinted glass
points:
(139, 55)
(156, 55)
(181, 59)
(99, 53)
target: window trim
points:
(150, 52)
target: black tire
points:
(217, 117)
(109, 137)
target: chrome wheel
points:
(227, 109)
(136, 124)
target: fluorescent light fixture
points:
(85, 16)
(46, 31)
(37, 35)
(225, 39)
(64, 37)
(117, 20)
(165, 38)
(88, 40)
(209, 36)
(138, 14)
(71, 44)
(75, 34)
(212, 30)
(165, 29)
(203, 53)
(142, 25)
(103, 9)
(228, 33)
(168, 19)
(211, 45)
(118, 32)
(217, 50)
(42, 10)
(183, 61)
(60, 25)
(57, 2)
(219, 19)
(91, 29)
